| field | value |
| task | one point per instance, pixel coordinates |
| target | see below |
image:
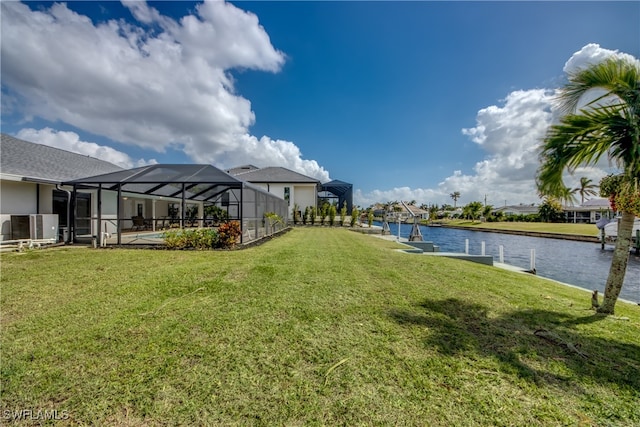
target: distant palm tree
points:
(567, 196)
(473, 209)
(487, 210)
(455, 196)
(586, 188)
(599, 128)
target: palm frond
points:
(617, 77)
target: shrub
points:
(201, 238)
(216, 214)
(354, 216)
(228, 234)
(175, 239)
(296, 214)
(343, 214)
(332, 215)
(272, 219)
(305, 215)
(324, 211)
(551, 210)
(313, 213)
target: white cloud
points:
(511, 134)
(157, 84)
(592, 53)
(70, 141)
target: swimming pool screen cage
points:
(338, 191)
(127, 205)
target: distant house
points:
(295, 188)
(517, 210)
(399, 212)
(589, 212)
(416, 211)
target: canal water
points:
(581, 264)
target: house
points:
(589, 212)
(90, 198)
(400, 212)
(31, 177)
(295, 188)
(515, 210)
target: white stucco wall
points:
(301, 194)
(21, 198)
(305, 195)
(18, 197)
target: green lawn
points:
(541, 227)
(319, 326)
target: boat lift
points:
(416, 235)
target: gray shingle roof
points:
(241, 169)
(597, 202)
(38, 162)
(275, 174)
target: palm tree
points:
(608, 125)
(455, 196)
(486, 211)
(586, 188)
(567, 197)
(473, 210)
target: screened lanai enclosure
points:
(136, 206)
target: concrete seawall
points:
(561, 236)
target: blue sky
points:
(406, 100)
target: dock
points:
(429, 249)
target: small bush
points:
(343, 214)
(354, 216)
(313, 213)
(201, 238)
(305, 215)
(296, 214)
(228, 234)
(332, 215)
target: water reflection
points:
(582, 264)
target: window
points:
(287, 195)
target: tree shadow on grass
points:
(524, 340)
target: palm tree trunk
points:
(618, 263)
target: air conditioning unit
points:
(43, 226)
(34, 227)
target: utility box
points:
(34, 227)
(20, 227)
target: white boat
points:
(611, 231)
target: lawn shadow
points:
(523, 340)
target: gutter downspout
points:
(68, 213)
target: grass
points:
(541, 227)
(317, 327)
